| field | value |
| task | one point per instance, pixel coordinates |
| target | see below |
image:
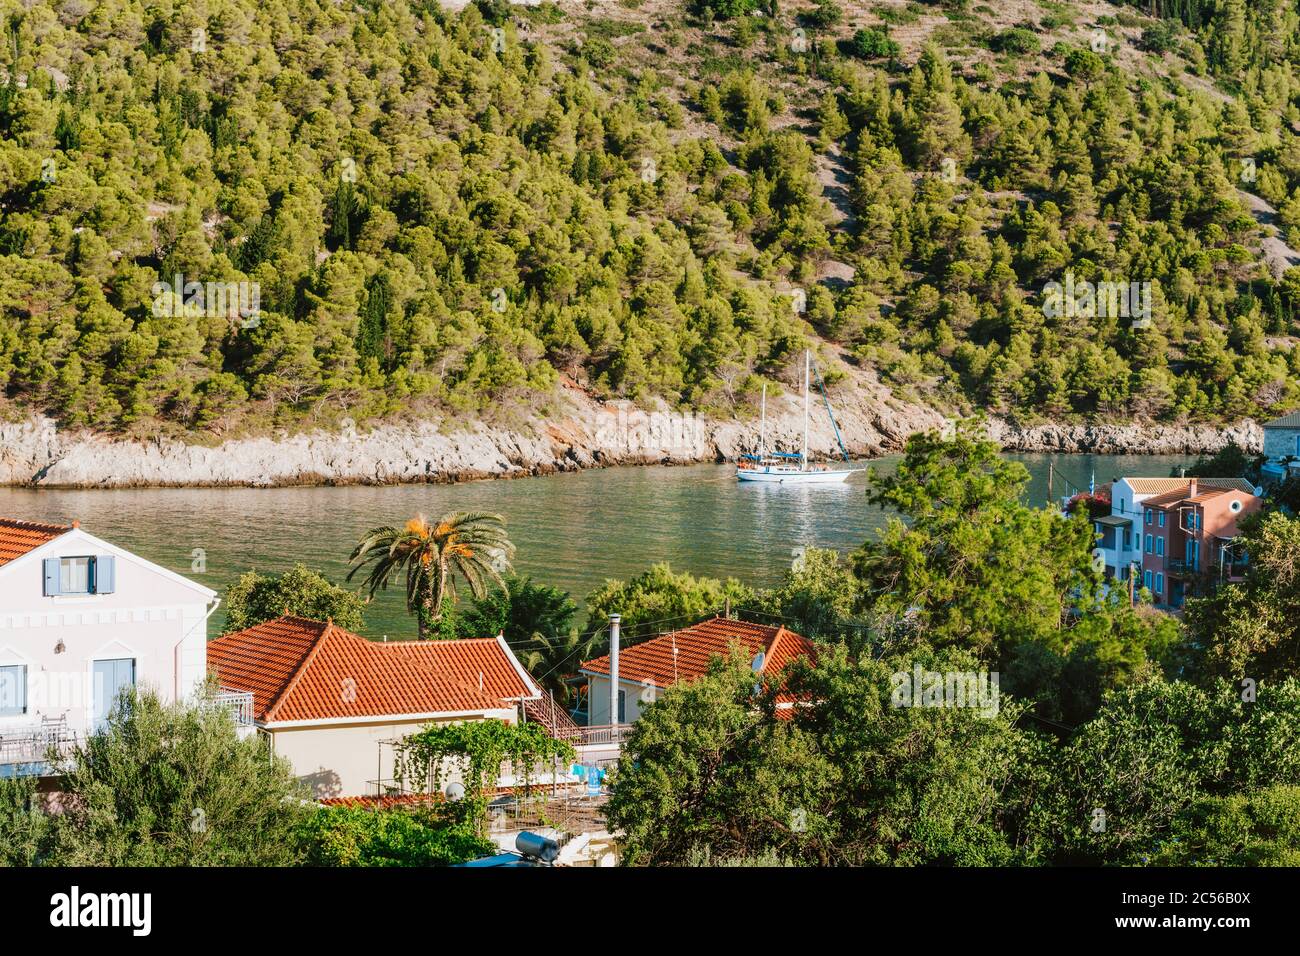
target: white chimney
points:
(614, 620)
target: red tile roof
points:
(475, 661)
(1167, 499)
(1162, 486)
(654, 661)
(1172, 498)
(386, 802)
(303, 670)
(19, 537)
(390, 800)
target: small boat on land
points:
(785, 468)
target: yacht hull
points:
(792, 476)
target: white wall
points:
(341, 760)
(153, 616)
(637, 697)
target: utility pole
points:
(614, 620)
(1050, 499)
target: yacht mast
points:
(762, 426)
(807, 362)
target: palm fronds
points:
(469, 546)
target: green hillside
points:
(450, 212)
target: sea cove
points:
(572, 530)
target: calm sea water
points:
(572, 530)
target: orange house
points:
(1188, 534)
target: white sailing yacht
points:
(782, 468)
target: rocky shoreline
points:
(1138, 439)
(587, 434)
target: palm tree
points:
(470, 545)
(553, 656)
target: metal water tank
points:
(535, 845)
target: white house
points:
(1282, 446)
(80, 619)
(649, 668)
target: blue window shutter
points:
(51, 576)
(105, 574)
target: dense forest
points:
(395, 209)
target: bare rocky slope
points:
(586, 434)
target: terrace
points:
(239, 704)
(36, 749)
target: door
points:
(110, 678)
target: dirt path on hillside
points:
(1272, 247)
(836, 177)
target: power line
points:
(635, 627)
(786, 619)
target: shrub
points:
(872, 44)
(598, 52)
(1016, 41)
(361, 836)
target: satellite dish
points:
(455, 791)
(757, 664)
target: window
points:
(1235, 506)
(13, 690)
(1160, 583)
(1160, 545)
(622, 707)
(74, 575)
(112, 677)
(1149, 545)
(1128, 539)
(1146, 580)
(1162, 519)
(1148, 515)
(80, 574)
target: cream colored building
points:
(333, 703)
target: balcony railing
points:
(1181, 567)
(238, 702)
(31, 748)
(602, 734)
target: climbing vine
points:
(477, 750)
